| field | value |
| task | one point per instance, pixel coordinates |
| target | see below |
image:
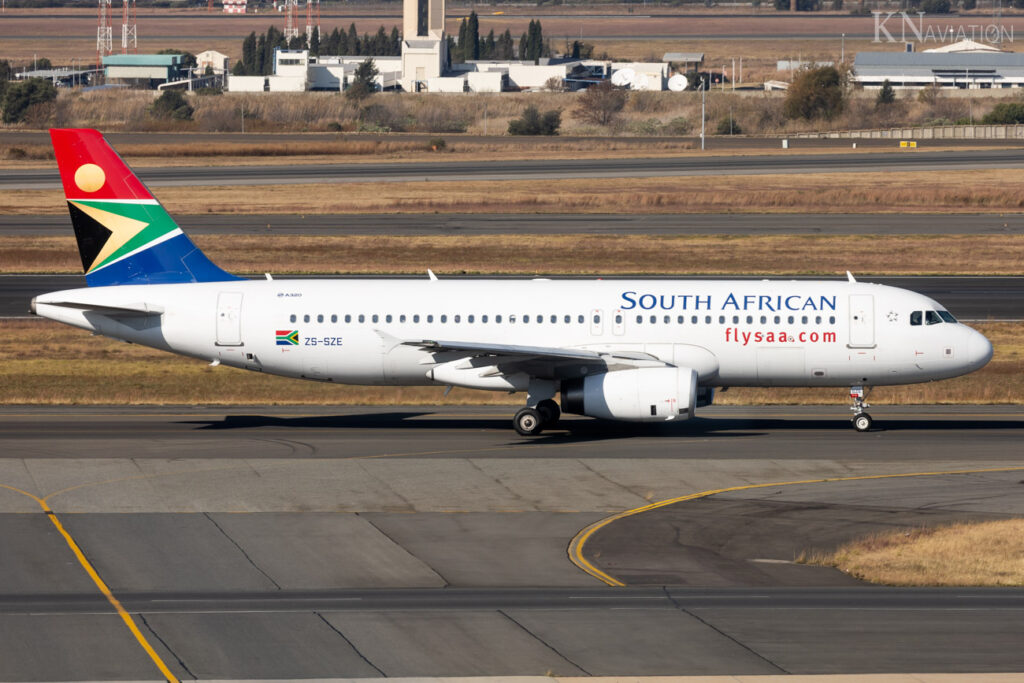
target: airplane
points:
(631, 350)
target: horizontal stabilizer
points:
(120, 311)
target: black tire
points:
(549, 411)
(528, 422)
(862, 422)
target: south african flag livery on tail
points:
(287, 337)
(124, 235)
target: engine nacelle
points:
(640, 394)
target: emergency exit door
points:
(862, 321)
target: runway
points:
(560, 224)
(431, 541)
(975, 298)
(555, 169)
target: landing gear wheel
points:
(549, 411)
(528, 422)
(862, 422)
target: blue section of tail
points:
(175, 260)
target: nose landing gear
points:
(861, 420)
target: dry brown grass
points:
(968, 554)
(572, 254)
(969, 191)
(67, 366)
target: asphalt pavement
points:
(559, 224)
(547, 169)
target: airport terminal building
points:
(964, 70)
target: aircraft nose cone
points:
(979, 350)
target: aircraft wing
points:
(537, 356)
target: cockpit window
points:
(947, 316)
(931, 318)
(915, 318)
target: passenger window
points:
(750, 319)
(320, 318)
(415, 317)
(721, 320)
(580, 320)
(568, 319)
(512, 318)
(817, 320)
(803, 320)
(430, 317)
(654, 319)
(401, 318)
(947, 316)
(458, 318)
(526, 318)
(707, 319)
(292, 318)
(540, 319)
(554, 319)
(444, 318)
(790, 319)
(618, 318)
(362, 318)
(497, 319)
(483, 318)
(735, 319)
(668, 319)
(680, 320)
(831, 320)
(470, 318)
(387, 318)
(376, 318)
(305, 318)
(639, 319)
(915, 318)
(931, 318)
(348, 317)
(597, 319)
(693, 320)
(778, 319)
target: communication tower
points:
(104, 37)
(310, 26)
(129, 28)
(291, 25)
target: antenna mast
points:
(104, 37)
(129, 28)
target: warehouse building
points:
(147, 71)
(975, 69)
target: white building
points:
(424, 50)
(217, 61)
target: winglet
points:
(430, 274)
(849, 276)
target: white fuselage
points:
(733, 332)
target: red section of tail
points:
(76, 148)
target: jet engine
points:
(638, 394)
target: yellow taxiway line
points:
(576, 545)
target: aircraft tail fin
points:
(124, 235)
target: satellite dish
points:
(623, 77)
(640, 82)
(678, 83)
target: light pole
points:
(703, 90)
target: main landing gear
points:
(531, 421)
(861, 420)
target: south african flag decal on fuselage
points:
(287, 337)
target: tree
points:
(248, 55)
(601, 104)
(6, 74)
(363, 82)
(886, 95)
(801, 5)
(533, 122)
(936, 6)
(815, 93)
(1006, 113)
(727, 125)
(20, 97)
(187, 61)
(472, 50)
(172, 105)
